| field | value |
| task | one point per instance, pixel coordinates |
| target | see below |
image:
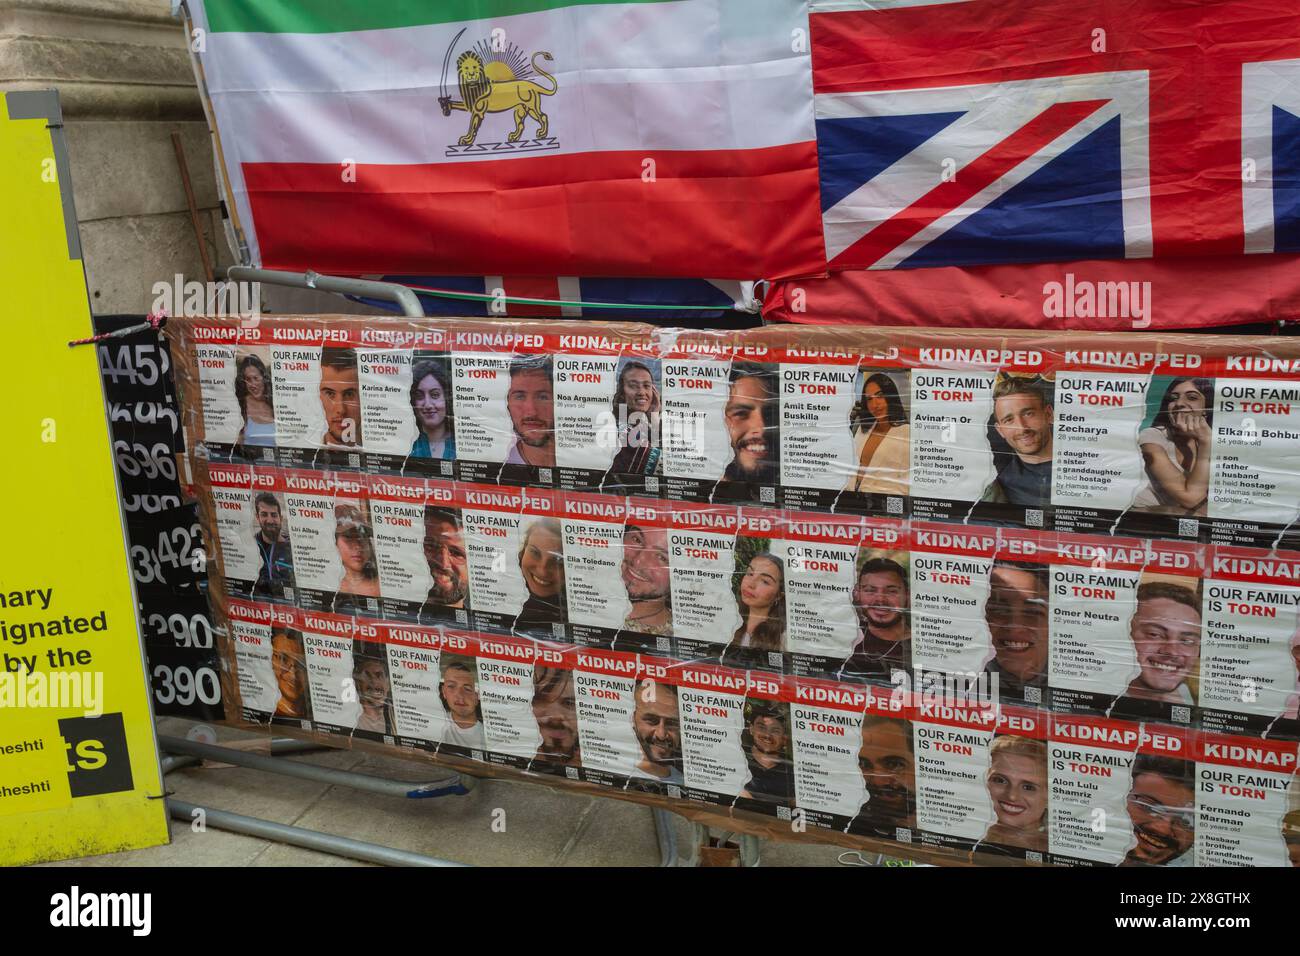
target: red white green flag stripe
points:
(654, 137)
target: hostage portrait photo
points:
(555, 708)
(432, 409)
(459, 695)
(1161, 806)
(253, 393)
(443, 548)
(339, 393)
(1174, 441)
(289, 666)
(636, 407)
(358, 590)
(541, 567)
(882, 606)
(1165, 646)
(530, 406)
(768, 748)
(751, 415)
(275, 553)
(645, 573)
(887, 763)
(656, 724)
(373, 689)
(882, 445)
(758, 588)
(1020, 433)
(1016, 781)
(1018, 617)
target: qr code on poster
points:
(767, 495)
(783, 813)
(903, 835)
(1180, 715)
(652, 485)
(894, 506)
(1188, 527)
(544, 475)
(1033, 695)
(1034, 517)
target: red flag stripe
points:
(727, 214)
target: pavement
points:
(540, 826)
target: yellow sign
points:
(78, 761)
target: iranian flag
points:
(517, 137)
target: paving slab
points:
(499, 823)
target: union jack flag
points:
(973, 132)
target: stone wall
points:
(124, 76)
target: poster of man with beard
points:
(502, 390)
(253, 533)
(555, 709)
(617, 572)
(1122, 793)
(721, 406)
(1161, 805)
(853, 758)
(837, 591)
(420, 549)
(882, 650)
(887, 764)
(656, 724)
(443, 548)
(629, 722)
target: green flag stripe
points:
(342, 16)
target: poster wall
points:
(1027, 600)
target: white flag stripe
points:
(1263, 86)
(685, 47)
(768, 104)
(653, 36)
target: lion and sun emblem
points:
(498, 77)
